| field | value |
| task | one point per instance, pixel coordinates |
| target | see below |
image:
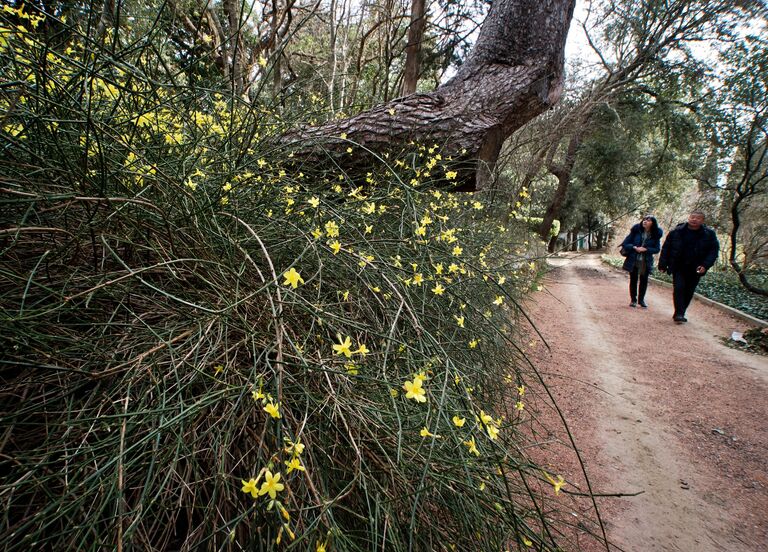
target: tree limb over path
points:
(514, 73)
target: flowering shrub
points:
(209, 343)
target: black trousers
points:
(684, 282)
(634, 279)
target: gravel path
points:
(661, 411)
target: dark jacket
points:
(635, 238)
(704, 252)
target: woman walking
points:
(640, 245)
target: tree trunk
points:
(413, 48)
(514, 73)
(563, 174)
(575, 242)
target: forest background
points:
(258, 293)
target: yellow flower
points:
(493, 431)
(425, 432)
(273, 409)
(271, 485)
(459, 320)
(472, 446)
(414, 390)
(473, 343)
(556, 484)
(320, 547)
(450, 175)
(250, 487)
(343, 347)
(317, 233)
(519, 405)
(499, 300)
(459, 422)
(294, 464)
(296, 448)
(314, 202)
(335, 246)
(262, 61)
(521, 390)
(257, 395)
(293, 278)
(457, 251)
(218, 369)
(393, 392)
(332, 229)
(438, 289)
(362, 349)
(369, 208)
(418, 279)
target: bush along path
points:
(665, 415)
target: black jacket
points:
(635, 237)
(704, 252)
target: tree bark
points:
(513, 74)
(563, 175)
(413, 48)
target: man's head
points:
(695, 220)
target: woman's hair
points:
(655, 230)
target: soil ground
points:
(664, 412)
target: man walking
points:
(688, 252)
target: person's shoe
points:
(641, 302)
(679, 318)
(633, 303)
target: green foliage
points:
(190, 312)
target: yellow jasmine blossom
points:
(250, 487)
(418, 279)
(459, 422)
(438, 289)
(321, 545)
(294, 464)
(450, 175)
(293, 278)
(271, 485)
(314, 202)
(257, 395)
(439, 268)
(296, 448)
(426, 433)
(273, 409)
(457, 250)
(317, 233)
(343, 347)
(421, 231)
(393, 392)
(332, 229)
(459, 320)
(368, 228)
(362, 349)
(477, 205)
(345, 295)
(499, 300)
(343, 135)
(262, 61)
(472, 446)
(556, 484)
(420, 376)
(414, 390)
(369, 208)
(335, 246)
(519, 405)
(521, 390)
(219, 368)
(493, 432)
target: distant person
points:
(640, 245)
(689, 251)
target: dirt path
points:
(659, 409)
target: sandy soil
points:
(661, 411)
